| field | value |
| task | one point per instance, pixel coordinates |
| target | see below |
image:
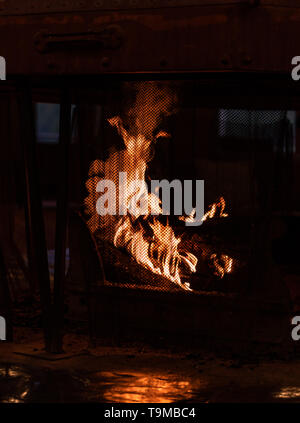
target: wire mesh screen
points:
(265, 128)
(138, 248)
(154, 251)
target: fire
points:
(153, 244)
(215, 208)
(158, 252)
(222, 264)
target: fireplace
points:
(153, 277)
(94, 106)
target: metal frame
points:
(61, 223)
(140, 37)
(20, 7)
(35, 223)
(53, 311)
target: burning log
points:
(122, 269)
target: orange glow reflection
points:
(288, 392)
(141, 387)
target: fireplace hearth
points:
(87, 100)
(237, 291)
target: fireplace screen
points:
(181, 201)
(178, 195)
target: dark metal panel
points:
(26, 7)
(282, 3)
(187, 39)
(22, 7)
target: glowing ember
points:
(222, 264)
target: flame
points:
(219, 206)
(222, 264)
(153, 244)
(214, 208)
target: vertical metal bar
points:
(29, 270)
(82, 152)
(33, 278)
(34, 209)
(61, 222)
(5, 299)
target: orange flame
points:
(222, 264)
(214, 208)
(220, 205)
(152, 244)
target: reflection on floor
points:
(118, 376)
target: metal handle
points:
(109, 37)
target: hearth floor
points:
(140, 374)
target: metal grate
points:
(265, 128)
